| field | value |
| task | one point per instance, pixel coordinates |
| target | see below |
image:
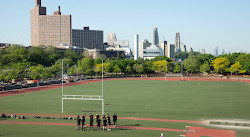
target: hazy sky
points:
(203, 24)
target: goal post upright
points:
(84, 97)
(62, 85)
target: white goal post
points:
(83, 97)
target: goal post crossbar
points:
(82, 97)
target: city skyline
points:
(205, 27)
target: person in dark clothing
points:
(78, 120)
(91, 119)
(114, 119)
(98, 121)
(97, 117)
(104, 123)
(109, 122)
(83, 122)
(3, 115)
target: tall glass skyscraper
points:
(155, 37)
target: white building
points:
(122, 45)
(183, 47)
(143, 45)
(152, 52)
(136, 47)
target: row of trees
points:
(18, 62)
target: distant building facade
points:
(111, 38)
(155, 37)
(87, 39)
(177, 41)
(152, 52)
(52, 30)
(143, 45)
(122, 45)
(170, 51)
(183, 47)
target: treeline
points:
(18, 62)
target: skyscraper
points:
(136, 47)
(155, 37)
(177, 42)
(52, 30)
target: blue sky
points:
(203, 24)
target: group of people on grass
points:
(106, 122)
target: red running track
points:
(129, 118)
(22, 91)
(201, 132)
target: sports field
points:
(169, 106)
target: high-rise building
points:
(111, 38)
(52, 30)
(87, 39)
(136, 47)
(155, 37)
(183, 47)
(170, 50)
(143, 45)
(216, 51)
(177, 42)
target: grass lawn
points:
(189, 100)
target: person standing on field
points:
(98, 121)
(104, 123)
(114, 119)
(83, 122)
(109, 122)
(78, 120)
(91, 119)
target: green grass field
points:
(189, 100)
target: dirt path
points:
(22, 91)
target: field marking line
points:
(128, 118)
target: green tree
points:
(138, 68)
(160, 66)
(36, 72)
(205, 68)
(237, 67)
(128, 69)
(86, 64)
(191, 64)
(116, 69)
(220, 64)
(177, 68)
(70, 54)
